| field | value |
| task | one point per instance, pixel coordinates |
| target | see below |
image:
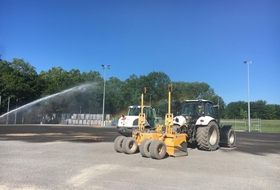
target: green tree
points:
(114, 98)
(19, 81)
(131, 91)
(243, 113)
(233, 110)
(157, 85)
(277, 111)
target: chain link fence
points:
(242, 125)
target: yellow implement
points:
(130, 145)
(158, 145)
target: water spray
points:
(76, 88)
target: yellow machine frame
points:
(139, 134)
(156, 143)
(175, 143)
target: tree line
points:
(20, 84)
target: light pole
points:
(104, 67)
(249, 117)
(16, 112)
(8, 110)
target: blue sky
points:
(190, 40)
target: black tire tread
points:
(144, 148)
(154, 147)
(126, 148)
(226, 132)
(118, 144)
(202, 137)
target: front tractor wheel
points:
(208, 137)
(228, 137)
(129, 145)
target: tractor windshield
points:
(134, 111)
(192, 108)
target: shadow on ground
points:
(51, 133)
(257, 143)
(251, 143)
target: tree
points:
(19, 81)
(131, 91)
(114, 98)
(233, 109)
(156, 84)
(260, 109)
(277, 111)
(243, 113)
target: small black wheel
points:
(228, 137)
(145, 148)
(129, 145)
(118, 144)
(158, 149)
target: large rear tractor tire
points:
(208, 137)
(129, 145)
(145, 148)
(158, 149)
(118, 144)
(228, 137)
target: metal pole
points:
(104, 67)
(16, 113)
(103, 98)
(249, 110)
(249, 117)
(8, 111)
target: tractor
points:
(200, 120)
(127, 123)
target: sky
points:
(188, 40)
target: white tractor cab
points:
(200, 119)
(128, 123)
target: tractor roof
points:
(199, 100)
(139, 107)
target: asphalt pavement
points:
(83, 157)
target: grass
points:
(269, 126)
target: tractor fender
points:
(179, 120)
(204, 120)
(130, 121)
(127, 121)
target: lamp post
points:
(104, 67)
(16, 112)
(8, 110)
(249, 117)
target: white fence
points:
(256, 125)
(237, 124)
(242, 125)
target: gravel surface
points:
(83, 165)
